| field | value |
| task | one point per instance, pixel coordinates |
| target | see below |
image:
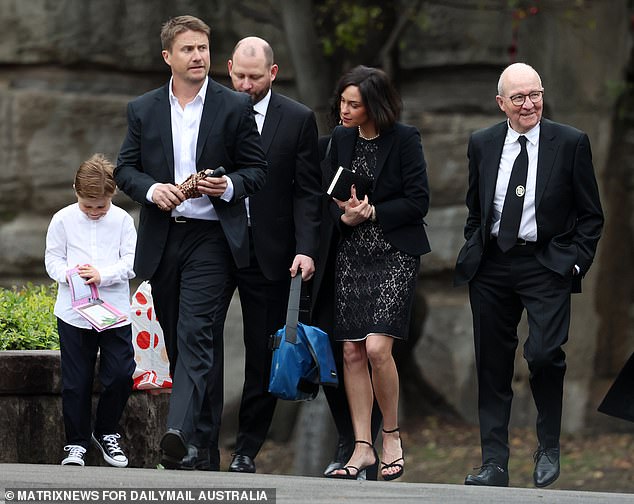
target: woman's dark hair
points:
(379, 96)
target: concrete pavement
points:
(288, 489)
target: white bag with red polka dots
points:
(152, 364)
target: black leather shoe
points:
(490, 475)
(546, 466)
(173, 449)
(197, 459)
(242, 463)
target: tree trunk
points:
(311, 71)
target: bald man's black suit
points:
(536, 276)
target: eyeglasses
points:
(519, 99)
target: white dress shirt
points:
(259, 110)
(107, 244)
(528, 224)
(185, 122)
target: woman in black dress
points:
(377, 260)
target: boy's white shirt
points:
(108, 244)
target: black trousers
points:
(505, 285)
(78, 349)
(263, 303)
(192, 291)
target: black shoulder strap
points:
(292, 312)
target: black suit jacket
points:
(400, 196)
(567, 206)
(400, 192)
(228, 137)
(285, 214)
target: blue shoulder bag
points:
(302, 356)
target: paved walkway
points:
(288, 489)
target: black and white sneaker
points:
(110, 449)
(75, 455)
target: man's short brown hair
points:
(179, 24)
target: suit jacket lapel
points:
(492, 152)
(212, 108)
(385, 143)
(545, 159)
(346, 147)
(271, 122)
(165, 125)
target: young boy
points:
(99, 239)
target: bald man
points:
(534, 222)
(284, 224)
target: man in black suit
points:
(284, 224)
(190, 249)
(527, 248)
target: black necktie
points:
(514, 200)
(255, 116)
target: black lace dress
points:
(374, 282)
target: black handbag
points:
(302, 356)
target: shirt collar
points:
(532, 135)
(202, 92)
(262, 106)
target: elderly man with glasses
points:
(533, 225)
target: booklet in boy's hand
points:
(85, 301)
(342, 181)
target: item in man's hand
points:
(342, 181)
(189, 186)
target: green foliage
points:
(365, 31)
(348, 25)
(26, 318)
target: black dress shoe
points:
(173, 449)
(490, 474)
(242, 464)
(198, 459)
(546, 466)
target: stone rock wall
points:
(449, 91)
(31, 425)
(68, 68)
